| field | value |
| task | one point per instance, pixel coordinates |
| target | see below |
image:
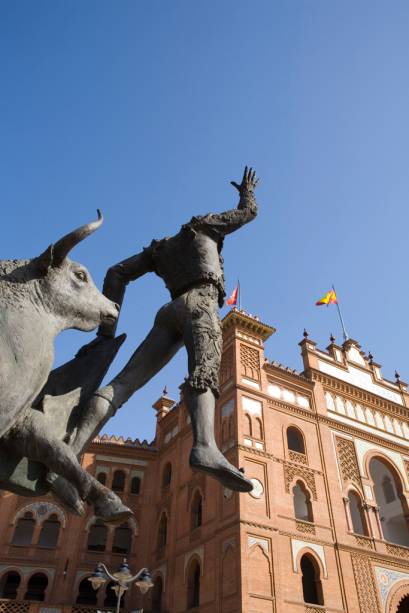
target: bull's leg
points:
(37, 443)
(161, 344)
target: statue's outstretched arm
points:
(116, 280)
(246, 211)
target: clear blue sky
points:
(148, 109)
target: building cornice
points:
(357, 393)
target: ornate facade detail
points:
(250, 362)
(365, 584)
(347, 461)
(8, 606)
(226, 367)
(364, 541)
(305, 526)
(398, 552)
(314, 609)
(295, 456)
(41, 511)
(291, 471)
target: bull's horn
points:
(62, 248)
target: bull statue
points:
(39, 409)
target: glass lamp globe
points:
(98, 578)
(144, 581)
(123, 573)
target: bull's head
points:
(67, 289)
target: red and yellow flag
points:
(329, 298)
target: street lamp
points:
(122, 578)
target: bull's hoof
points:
(211, 461)
(66, 493)
(110, 508)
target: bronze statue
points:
(38, 410)
(191, 266)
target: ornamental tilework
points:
(386, 578)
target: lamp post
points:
(123, 578)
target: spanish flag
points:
(329, 298)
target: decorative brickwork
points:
(226, 367)
(7, 606)
(295, 456)
(365, 584)
(347, 461)
(250, 362)
(398, 552)
(364, 541)
(306, 527)
(313, 609)
(291, 471)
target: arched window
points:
(167, 475)
(302, 502)
(196, 511)
(50, 531)
(193, 585)
(36, 587)
(388, 489)
(247, 429)
(311, 583)
(135, 485)
(97, 537)
(157, 595)
(162, 532)
(295, 440)
(356, 513)
(258, 429)
(391, 502)
(102, 478)
(86, 593)
(118, 482)
(9, 584)
(23, 532)
(111, 597)
(122, 539)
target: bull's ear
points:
(43, 262)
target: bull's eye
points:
(80, 274)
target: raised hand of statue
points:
(248, 182)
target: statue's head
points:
(67, 289)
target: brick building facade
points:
(324, 531)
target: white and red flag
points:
(232, 299)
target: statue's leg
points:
(203, 340)
(161, 344)
(35, 441)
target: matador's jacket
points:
(191, 265)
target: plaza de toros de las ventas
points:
(325, 529)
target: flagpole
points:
(239, 292)
(344, 332)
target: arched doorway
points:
(403, 605)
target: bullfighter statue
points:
(191, 266)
